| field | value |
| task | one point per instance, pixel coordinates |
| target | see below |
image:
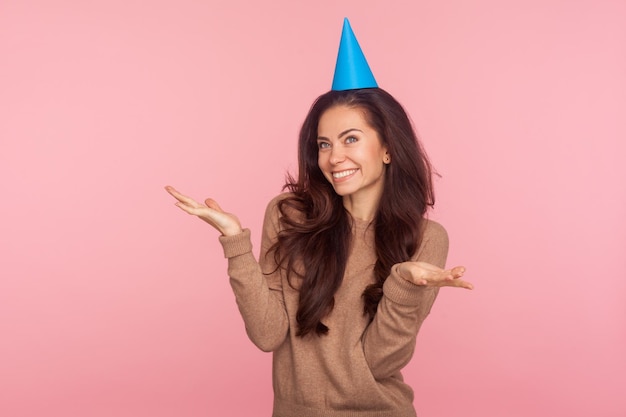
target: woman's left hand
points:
(428, 275)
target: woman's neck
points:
(362, 209)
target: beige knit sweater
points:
(354, 370)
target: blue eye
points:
(323, 145)
(351, 139)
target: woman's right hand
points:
(225, 223)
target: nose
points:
(337, 155)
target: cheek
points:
(321, 160)
(373, 156)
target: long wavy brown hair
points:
(315, 238)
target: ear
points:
(387, 158)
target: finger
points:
(182, 198)
(448, 275)
(454, 273)
(466, 285)
(459, 283)
(186, 208)
(458, 271)
(171, 190)
(444, 279)
(443, 276)
(204, 213)
(213, 204)
(174, 193)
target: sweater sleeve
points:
(257, 285)
(389, 340)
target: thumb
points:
(213, 204)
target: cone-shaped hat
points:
(351, 70)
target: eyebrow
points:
(342, 134)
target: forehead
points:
(339, 118)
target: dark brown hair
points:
(315, 239)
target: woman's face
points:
(351, 154)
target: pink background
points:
(115, 303)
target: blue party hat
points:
(351, 70)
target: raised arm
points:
(257, 285)
(257, 288)
(408, 295)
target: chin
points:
(342, 193)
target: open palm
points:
(226, 223)
(423, 273)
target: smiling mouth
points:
(342, 174)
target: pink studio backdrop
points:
(115, 303)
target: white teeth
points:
(343, 173)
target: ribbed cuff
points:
(401, 291)
(236, 245)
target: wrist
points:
(232, 232)
(399, 271)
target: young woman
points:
(349, 265)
